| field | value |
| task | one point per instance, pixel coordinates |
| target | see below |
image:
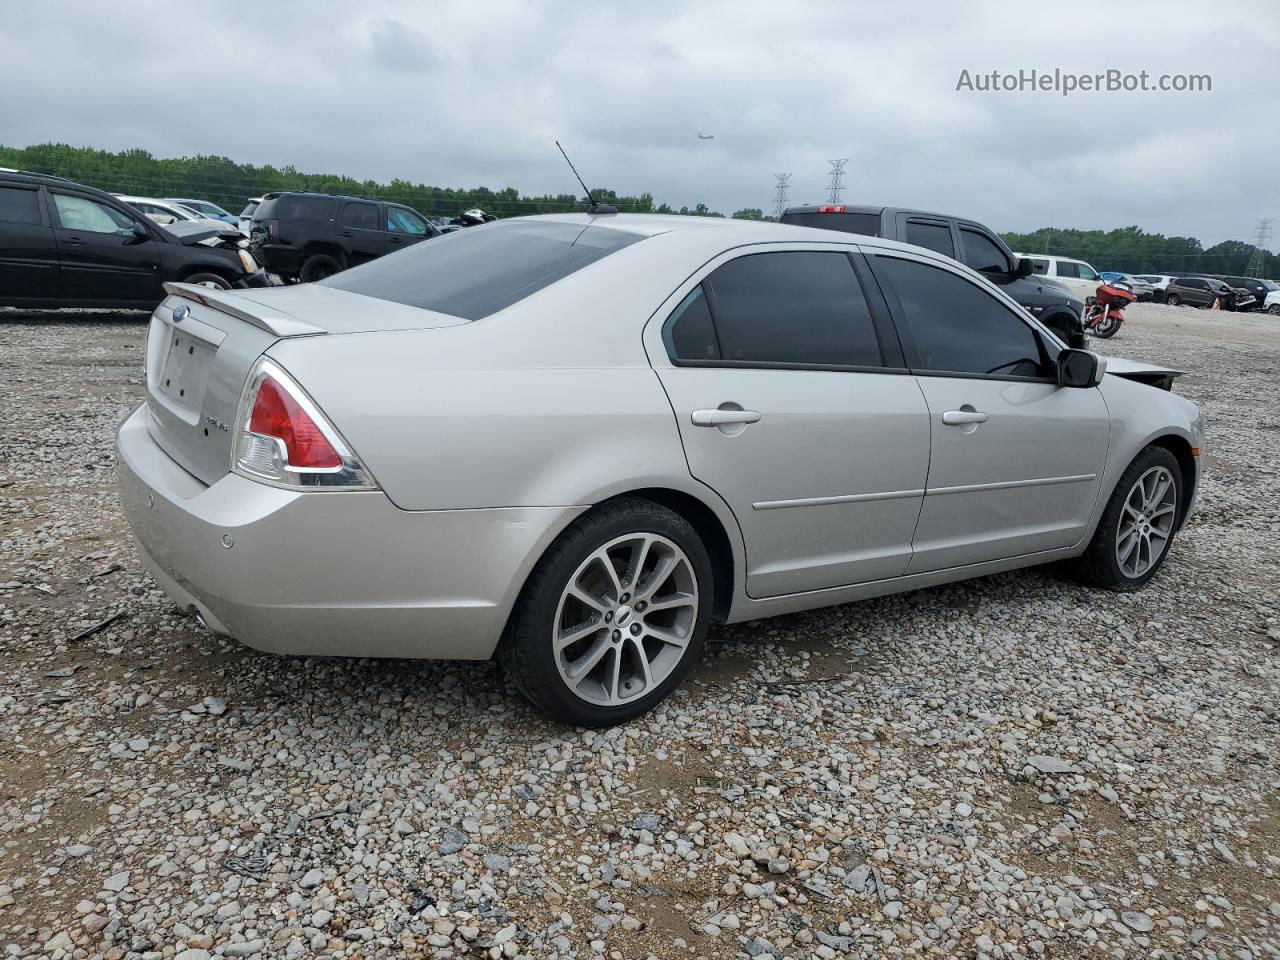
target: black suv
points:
(63, 244)
(309, 236)
(965, 240)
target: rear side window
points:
(957, 326)
(932, 236)
(692, 334)
(361, 216)
(19, 206)
(981, 253)
(1067, 269)
(296, 207)
(805, 307)
(867, 224)
(478, 271)
(1040, 267)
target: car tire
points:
(1172, 299)
(317, 267)
(575, 641)
(213, 280)
(1274, 309)
(1138, 525)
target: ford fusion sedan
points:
(574, 442)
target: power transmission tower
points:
(780, 190)
(836, 185)
(1261, 241)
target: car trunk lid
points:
(203, 344)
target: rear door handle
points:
(344, 233)
(957, 418)
(718, 418)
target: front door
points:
(28, 254)
(104, 260)
(780, 380)
(360, 231)
(1016, 460)
(405, 227)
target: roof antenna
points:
(595, 209)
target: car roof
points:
(26, 175)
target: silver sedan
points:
(574, 442)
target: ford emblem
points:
(180, 313)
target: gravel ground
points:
(1011, 767)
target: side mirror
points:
(1025, 267)
(140, 232)
(1080, 368)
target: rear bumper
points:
(328, 574)
(278, 257)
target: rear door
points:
(103, 261)
(1015, 460)
(28, 253)
(405, 227)
(360, 231)
(793, 405)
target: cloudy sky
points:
(472, 94)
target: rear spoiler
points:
(281, 325)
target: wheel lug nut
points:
(624, 598)
(608, 617)
(617, 634)
(640, 606)
(635, 628)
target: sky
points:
(474, 94)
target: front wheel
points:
(211, 280)
(1138, 524)
(1107, 328)
(613, 616)
(1274, 309)
(1172, 299)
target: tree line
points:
(231, 184)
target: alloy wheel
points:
(1146, 522)
(624, 619)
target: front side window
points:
(981, 252)
(81, 213)
(958, 327)
(1086, 272)
(400, 220)
(932, 236)
(18, 205)
(803, 307)
(361, 216)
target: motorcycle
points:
(1103, 312)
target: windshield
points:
(474, 272)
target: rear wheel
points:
(1138, 524)
(317, 267)
(614, 615)
(212, 280)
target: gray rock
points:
(1137, 920)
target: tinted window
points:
(400, 220)
(934, 236)
(1086, 272)
(691, 335)
(19, 206)
(1039, 266)
(473, 273)
(981, 253)
(362, 216)
(803, 307)
(867, 224)
(248, 209)
(296, 207)
(81, 213)
(957, 326)
(1067, 269)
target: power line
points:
(1261, 246)
(780, 190)
(835, 186)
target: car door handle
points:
(344, 233)
(394, 240)
(74, 242)
(718, 418)
(958, 418)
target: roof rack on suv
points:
(32, 173)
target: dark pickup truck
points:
(965, 240)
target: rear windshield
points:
(295, 207)
(474, 272)
(867, 224)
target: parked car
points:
(1076, 275)
(1141, 289)
(576, 440)
(1159, 283)
(1256, 288)
(207, 209)
(310, 236)
(965, 240)
(1272, 302)
(1204, 292)
(63, 244)
(164, 212)
(246, 215)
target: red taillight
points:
(831, 208)
(276, 414)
